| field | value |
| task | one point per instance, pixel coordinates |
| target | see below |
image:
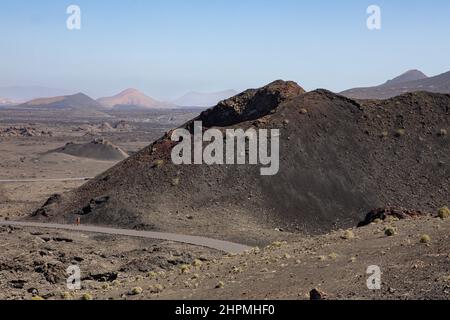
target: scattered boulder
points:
(383, 213)
(93, 205)
(122, 126)
(52, 272)
(24, 132)
(105, 127)
(251, 104)
(102, 277)
(316, 294)
(17, 284)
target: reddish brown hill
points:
(132, 98)
(338, 160)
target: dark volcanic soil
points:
(338, 160)
(99, 149)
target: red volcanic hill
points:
(132, 98)
(339, 159)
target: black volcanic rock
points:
(250, 104)
(339, 159)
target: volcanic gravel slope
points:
(338, 159)
(99, 149)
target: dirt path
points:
(220, 245)
(43, 180)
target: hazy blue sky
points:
(168, 47)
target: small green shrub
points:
(333, 256)
(400, 133)
(175, 181)
(66, 296)
(390, 231)
(197, 263)
(87, 297)
(157, 288)
(184, 268)
(425, 238)
(106, 286)
(348, 235)
(116, 283)
(444, 212)
(158, 163)
(136, 291)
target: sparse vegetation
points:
(116, 283)
(136, 291)
(348, 235)
(197, 263)
(333, 256)
(158, 163)
(400, 133)
(277, 244)
(87, 297)
(175, 181)
(390, 231)
(425, 239)
(444, 212)
(157, 288)
(106, 286)
(185, 268)
(66, 296)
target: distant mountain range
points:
(7, 102)
(26, 93)
(410, 81)
(203, 99)
(133, 99)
